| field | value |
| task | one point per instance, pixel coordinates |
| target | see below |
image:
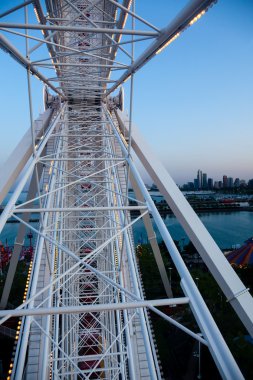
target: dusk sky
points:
(193, 101)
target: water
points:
(9, 233)
(227, 228)
(22, 198)
(10, 230)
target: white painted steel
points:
(85, 304)
(78, 29)
(22, 152)
(93, 308)
(28, 172)
(153, 241)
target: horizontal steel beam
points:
(84, 159)
(69, 28)
(81, 229)
(84, 136)
(81, 65)
(82, 209)
(94, 308)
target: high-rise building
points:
(210, 183)
(204, 178)
(196, 184)
(220, 184)
(216, 185)
(237, 182)
(250, 184)
(230, 182)
(200, 179)
(225, 181)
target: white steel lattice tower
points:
(84, 314)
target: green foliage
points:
(18, 286)
(150, 275)
(189, 248)
(173, 345)
(228, 322)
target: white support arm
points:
(13, 166)
(229, 282)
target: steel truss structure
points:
(84, 314)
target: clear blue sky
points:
(193, 101)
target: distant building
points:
(216, 185)
(225, 181)
(204, 183)
(153, 187)
(230, 182)
(204, 178)
(237, 182)
(191, 186)
(250, 184)
(200, 179)
(210, 183)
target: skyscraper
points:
(230, 182)
(225, 181)
(237, 182)
(210, 183)
(250, 184)
(200, 179)
(204, 178)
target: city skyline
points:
(203, 181)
